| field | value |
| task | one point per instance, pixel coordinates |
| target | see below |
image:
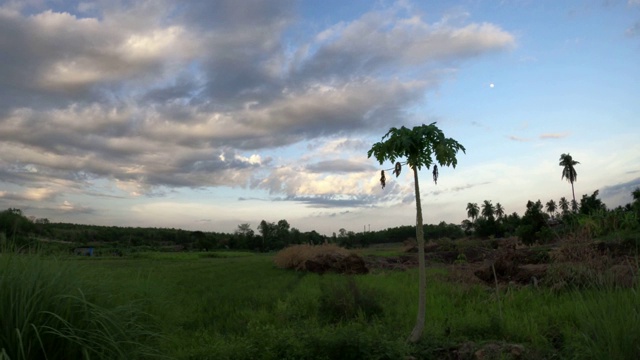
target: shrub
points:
(293, 257)
(321, 259)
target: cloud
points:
(468, 186)
(340, 166)
(145, 97)
(480, 125)
(69, 208)
(81, 59)
(32, 194)
(633, 30)
(378, 40)
(330, 201)
(516, 138)
(619, 194)
(553, 136)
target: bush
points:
(294, 257)
(320, 259)
(45, 315)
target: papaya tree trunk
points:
(422, 276)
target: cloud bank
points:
(145, 97)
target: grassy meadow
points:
(236, 305)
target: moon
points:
(491, 85)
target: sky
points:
(204, 115)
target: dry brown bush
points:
(320, 259)
(578, 248)
(578, 261)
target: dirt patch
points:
(568, 263)
(351, 264)
(392, 263)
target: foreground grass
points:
(217, 307)
(48, 312)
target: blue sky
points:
(207, 115)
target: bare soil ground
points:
(504, 261)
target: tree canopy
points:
(418, 146)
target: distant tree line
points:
(535, 226)
(539, 224)
(270, 236)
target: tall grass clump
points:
(610, 327)
(44, 314)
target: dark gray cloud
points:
(619, 194)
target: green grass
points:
(48, 312)
(240, 306)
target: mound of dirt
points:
(351, 264)
(392, 263)
(519, 266)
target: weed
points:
(461, 259)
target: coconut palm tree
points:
(564, 205)
(551, 207)
(568, 171)
(473, 211)
(419, 146)
(499, 211)
(487, 209)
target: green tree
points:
(511, 223)
(473, 211)
(282, 235)
(295, 236)
(245, 237)
(575, 207)
(635, 206)
(551, 207)
(418, 146)
(269, 232)
(487, 209)
(564, 205)
(591, 204)
(532, 224)
(467, 226)
(569, 172)
(499, 211)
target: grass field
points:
(240, 306)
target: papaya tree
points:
(420, 147)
